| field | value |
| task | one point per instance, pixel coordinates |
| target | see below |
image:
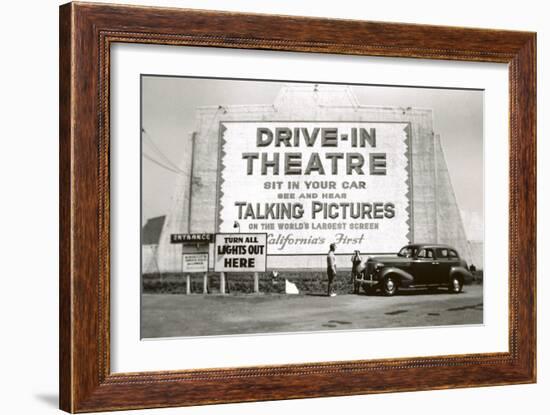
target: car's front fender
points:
(405, 278)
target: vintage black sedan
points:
(414, 266)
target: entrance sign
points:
(195, 262)
(308, 184)
(191, 238)
(240, 252)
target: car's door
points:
(423, 267)
(443, 265)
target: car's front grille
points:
(370, 268)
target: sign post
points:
(205, 283)
(222, 282)
(194, 256)
(195, 263)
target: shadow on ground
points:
(50, 399)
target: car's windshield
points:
(406, 252)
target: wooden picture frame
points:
(86, 33)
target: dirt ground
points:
(171, 315)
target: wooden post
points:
(205, 283)
(222, 282)
(256, 283)
(188, 284)
(182, 262)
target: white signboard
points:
(195, 262)
(240, 252)
(308, 184)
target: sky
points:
(168, 118)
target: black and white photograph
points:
(285, 206)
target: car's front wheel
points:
(389, 286)
(455, 285)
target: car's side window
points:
(452, 254)
(425, 253)
(442, 253)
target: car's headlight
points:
(378, 266)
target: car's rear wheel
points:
(390, 286)
(455, 285)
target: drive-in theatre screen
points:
(307, 184)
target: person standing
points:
(331, 269)
(356, 270)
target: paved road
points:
(169, 315)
